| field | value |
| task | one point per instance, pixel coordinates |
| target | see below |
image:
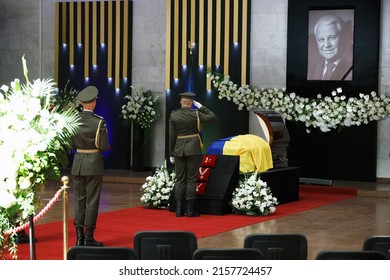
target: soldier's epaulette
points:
(175, 110)
(100, 117)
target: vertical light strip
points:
(193, 13)
(125, 37)
(201, 33)
(117, 42)
(176, 40)
(218, 34)
(79, 40)
(64, 15)
(244, 41)
(209, 39)
(102, 29)
(94, 33)
(71, 33)
(184, 43)
(109, 41)
(227, 36)
(86, 39)
(168, 45)
(235, 22)
(56, 40)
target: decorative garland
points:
(331, 112)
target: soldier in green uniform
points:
(88, 167)
(185, 149)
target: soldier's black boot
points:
(191, 208)
(179, 208)
(79, 236)
(89, 240)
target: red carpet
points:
(117, 228)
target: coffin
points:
(273, 129)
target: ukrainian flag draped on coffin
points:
(255, 153)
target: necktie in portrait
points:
(329, 71)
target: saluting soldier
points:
(88, 167)
(185, 149)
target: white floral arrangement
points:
(35, 141)
(326, 113)
(158, 188)
(140, 107)
(253, 197)
(66, 98)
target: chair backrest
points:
(378, 243)
(227, 254)
(165, 245)
(278, 246)
(350, 255)
(101, 253)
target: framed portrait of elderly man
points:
(330, 45)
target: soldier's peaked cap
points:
(187, 95)
(88, 94)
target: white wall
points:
(27, 27)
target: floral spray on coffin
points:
(157, 188)
(253, 197)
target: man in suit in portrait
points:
(185, 149)
(334, 58)
(88, 167)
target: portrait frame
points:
(336, 46)
(338, 154)
(365, 47)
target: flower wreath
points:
(253, 197)
(140, 107)
(158, 188)
(331, 112)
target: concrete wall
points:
(27, 27)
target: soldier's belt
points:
(88, 151)
(187, 136)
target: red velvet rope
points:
(37, 217)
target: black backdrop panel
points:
(192, 77)
(351, 153)
(110, 99)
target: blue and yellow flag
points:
(255, 153)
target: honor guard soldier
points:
(185, 148)
(88, 167)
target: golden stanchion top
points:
(65, 180)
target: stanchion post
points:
(32, 239)
(65, 181)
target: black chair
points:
(101, 253)
(378, 243)
(350, 255)
(278, 246)
(165, 245)
(227, 254)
